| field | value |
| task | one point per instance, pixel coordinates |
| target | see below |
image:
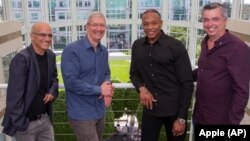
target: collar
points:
(159, 40)
(87, 44)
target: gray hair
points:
(215, 5)
(95, 14)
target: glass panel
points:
(201, 4)
(119, 9)
(245, 10)
(200, 36)
(81, 32)
(17, 11)
(1, 11)
(85, 7)
(6, 63)
(228, 5)
(52, 6)
(148, 4)
(119, 37)
(179, 10)
(61, 37)
(60, 12)
(35, 11)
(180, 33)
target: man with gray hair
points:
(86, 75)
(223, 72)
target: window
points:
(6, 63)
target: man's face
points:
(152, 24)
(41, 37)
(214, 23)
(96, 28)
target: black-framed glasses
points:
(43, 35)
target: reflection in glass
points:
(179, 10)
(118, 9)
(143, 5)
(245, 10)
(119, 37)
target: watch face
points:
(182, 121)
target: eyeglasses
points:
(95, 25)
(214, 20)
(43, 35)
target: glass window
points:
(61, 37)
(179, 10)
(52, 6)
(6, 63)
(81, 31)
(85, 7)
(118, 9)
(119, 37)
(61, 11)
(228, 5)
(245, 10)
(34, 16)
(201, 4)
(200, 36)
(180, 33)
(148, 4)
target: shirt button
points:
(152, 75)
(151, 65)
(156, 94)
(149, 54)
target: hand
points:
(48, 98)
(107, 89)
(146, 98)
(178, 128)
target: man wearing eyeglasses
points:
(32, 87)
(223, 72)
(86, 75)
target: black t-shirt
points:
(37, 106)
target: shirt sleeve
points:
(134, 72)
(239, 69)
(184, 74)
(18, 72)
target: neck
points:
(38, 51)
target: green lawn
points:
(119, 70)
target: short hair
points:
(215, 5)
(95, 14)
(151, 11)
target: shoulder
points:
(139, 42)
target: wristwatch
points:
(182, 121)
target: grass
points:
(119, 70)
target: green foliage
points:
(109, 123)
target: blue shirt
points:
(83, 71)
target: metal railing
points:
(117, 86)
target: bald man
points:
(32, 87)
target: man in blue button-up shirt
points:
(86, 76)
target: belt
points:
(37, 117)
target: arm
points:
(146, 97)
(239, 69)
(184, 74)
(18, 72)
(53, 89)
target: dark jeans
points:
(151, 126)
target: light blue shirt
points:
(83, 71)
